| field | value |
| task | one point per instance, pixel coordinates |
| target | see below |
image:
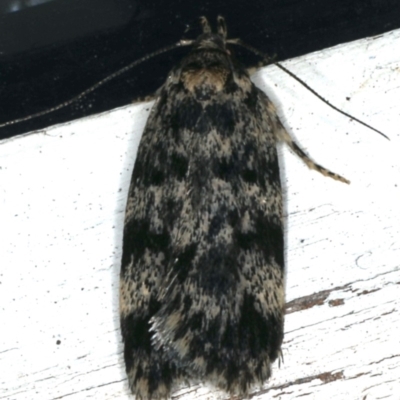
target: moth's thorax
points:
(208, 79)
(206, 71)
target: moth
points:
(202, 274)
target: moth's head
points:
(209, 40)
(209, 68)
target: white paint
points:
(63, 193)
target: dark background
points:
(51, 50)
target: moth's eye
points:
(193, 66)
(214, 65)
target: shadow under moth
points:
(202, 279)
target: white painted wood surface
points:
(62, 199)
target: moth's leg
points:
(282, 135)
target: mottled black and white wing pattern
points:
(202, 280)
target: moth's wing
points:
(153, 200)
(222, 304)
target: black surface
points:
(53, 51)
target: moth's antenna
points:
(268, 60)
(326, 101)
(239, 42)
(100, 83)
